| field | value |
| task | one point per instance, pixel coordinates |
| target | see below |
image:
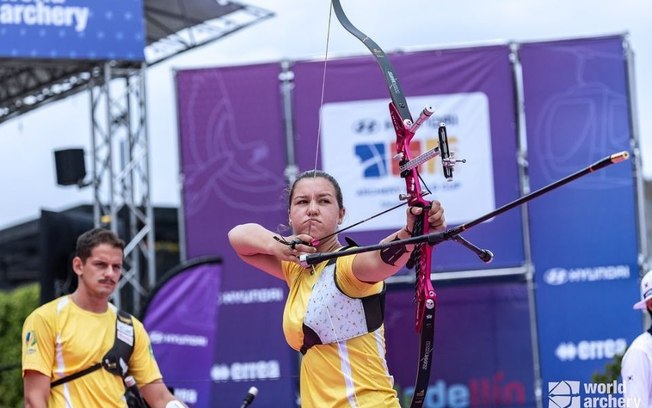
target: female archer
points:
(334, 311)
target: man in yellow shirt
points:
(72, 333)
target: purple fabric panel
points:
(232, 162)
(482, 69)
(232, 153)
(482, 351)
(182, 323)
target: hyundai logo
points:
(555, 276)
(367, 126)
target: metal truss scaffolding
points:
(121, 181)
(172, 27)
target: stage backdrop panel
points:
(232, 162)
(584, 235)
(72, 29)
(472, 92)
(482, 353)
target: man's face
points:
(101, 272)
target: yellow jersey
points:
(348, 373)
(60, 339)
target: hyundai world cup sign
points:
(358, 143)
(72, 29)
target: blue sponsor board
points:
(584, 235)
(72, 29)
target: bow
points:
(405, 129)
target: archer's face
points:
(99, 275)
(314, 209)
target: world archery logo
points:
(574, 394)
(564, 394)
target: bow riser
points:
(405, 129)
(424, 292)
(426, 298)
(404, 137)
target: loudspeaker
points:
(58, 234)
(71, 168)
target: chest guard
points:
(116, 360)
(332, 316)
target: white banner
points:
(358, 145)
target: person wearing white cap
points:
(636, 368)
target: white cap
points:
(646, 291)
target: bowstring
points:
(321, 97)
(321, 104)
(323, 83)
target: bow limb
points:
(395, 91)
(421, 255)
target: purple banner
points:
(482, 352)
(456, 78)
(584, 235)
(181, 318)
(232, 160)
